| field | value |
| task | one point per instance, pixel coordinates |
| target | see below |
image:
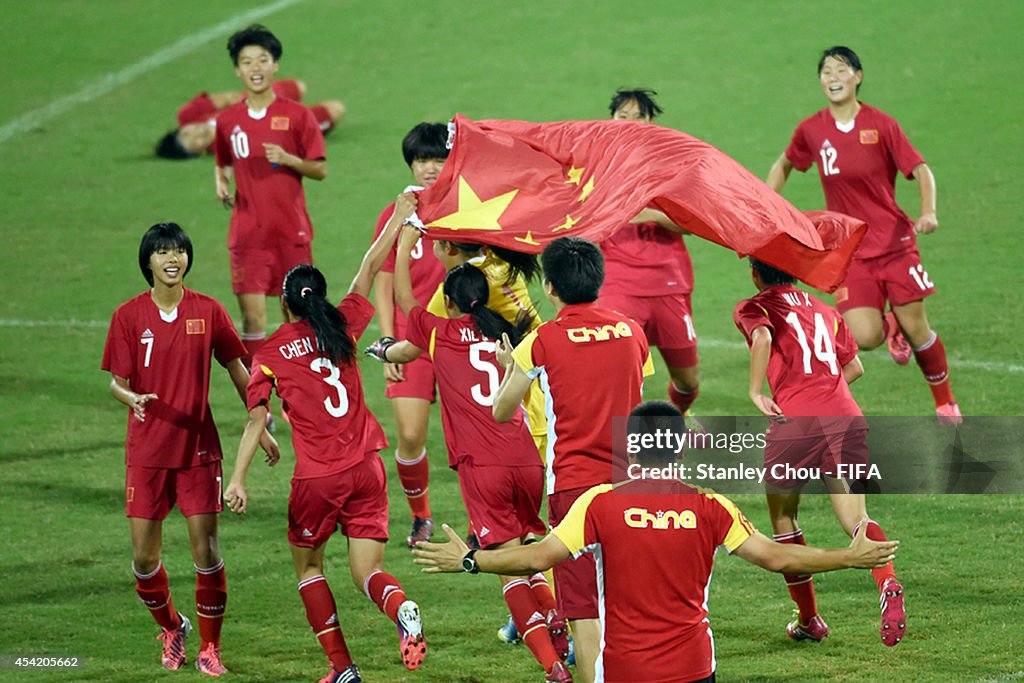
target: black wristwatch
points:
(469, 563)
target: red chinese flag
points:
(520, 185)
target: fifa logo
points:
(582, 335)
(640, 518)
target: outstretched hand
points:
(868, 554)
(139, 402)
(441, 557)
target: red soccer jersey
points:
(591, 363)
(169, 355)
(654, 543)
(332, 429)
(467, 378)
(270, 207)
(810, 346)
(646, 260)
(858, 172)
(424, 268)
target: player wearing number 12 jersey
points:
(339, 479)
(502, 486)
(808, 355)
(268, 144)
(859, 150)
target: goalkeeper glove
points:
(379, 349)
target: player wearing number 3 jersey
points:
(339, 479)
(805, 351)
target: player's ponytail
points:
(467, 287)
(305, 294)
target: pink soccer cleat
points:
(559, 674)
(559, 632)
(173, 657)
(899, 347)
(208, 661)
(949, 414)
(894, 614)
(816, 629)
(410, 635)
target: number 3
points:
(341, 408)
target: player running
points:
(339, 479)
(159, 351)
(502, 488)
(858, 150)
(809, 357)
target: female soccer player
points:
(158, 352)
(501, 490)
(858, 150)
(808, 356)
(339, 478)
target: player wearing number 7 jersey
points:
(859, 150)
(808, 355)
(339, 478)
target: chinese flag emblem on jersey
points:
(520, 185)
(279, 123)
(195, 326)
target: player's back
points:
(810, 346)
(646, 260)
(468, 376)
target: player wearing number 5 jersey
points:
(267, 144)
(159, 351)
(499, 470)
(339, 478)
(808, 355)
(859, 150)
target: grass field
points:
(92, 85)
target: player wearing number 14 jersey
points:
(859, 150)
(805, 351)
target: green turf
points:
(79, 190)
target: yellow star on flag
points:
(569, 222)
(528, 239)
(575, 176)
(587, 189)
(474, 214)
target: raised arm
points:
(928, 222)
(404, 296)
(514, 384)
(375, 256)
(779, 173)
(650, 215)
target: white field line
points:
(98, 88)
(966, 363)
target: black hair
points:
(644, 100)
(653, 417)
(170, 147)
(163, 236)
(518, 263)
(425, 141)
(466, 286)
(575, 268)
(843, 54)
(305, 294)
(256, 34)
(769, 275)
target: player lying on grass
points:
(502, 488)
(655, 573)
(159, 352)
(805, 351)
(339, 479)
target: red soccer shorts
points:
(418, 382)
(821, 448)
(897, 278)
(323, 118)
(151, 492)
(287, 88)
(503, 502)
(575, 580)
(667, 321)
(356, 500)
(261, 271)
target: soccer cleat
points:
(571, 659)
(894, 615)
(422, 530)
(949, 414)
(559, 674)
(174, 644)
(208, 661)
(508, 633)
(899, 347)
(559, 634)
(410, 635)
(816, 629)
(349, 675)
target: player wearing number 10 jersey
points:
(339, 479)
(808, 355)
